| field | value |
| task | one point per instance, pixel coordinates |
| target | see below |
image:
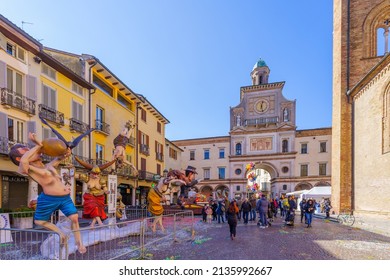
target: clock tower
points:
(262, 128)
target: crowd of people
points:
(265, 210)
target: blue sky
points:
(189, 58)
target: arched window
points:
(285, 146)
(382, 35)
(375, 31)
(238, 149)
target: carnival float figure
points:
(94, 197)
(55, 195)
(56, 147)
(120, 207)
(156, 196)
(120, 143)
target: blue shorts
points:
(48, 204)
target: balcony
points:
(159, 157)
(147, 176)
(261, 121)
(16, 100)
(6, 144)
(125, 171)
(51, 114)
(144, 149)
(78, 125)
(102, 127)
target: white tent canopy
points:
(318, 192)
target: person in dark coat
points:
(246, 208)
(262, 207)
(309, 210)
(232, 218)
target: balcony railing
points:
(261, 121)
(125, 171)
(6, 144)
(144, 149)
(147, 176)
(15, 100)
(159, 157)
(78, 125)
(102, 127)
(51, 114)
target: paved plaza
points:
(326, 240)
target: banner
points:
(67, 177)
(5, 235)
(111, 199)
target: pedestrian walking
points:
(221, 212)
(309, 210)
(327, 208)
(262, 207)
(232, 218)
(302, 208)
(246, 208)
(209, 212)
(252, 201)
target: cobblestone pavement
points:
(325, 240)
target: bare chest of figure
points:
(51, 182)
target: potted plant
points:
(22, 217)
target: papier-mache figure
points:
(55, 146)
(120, 143)
(95, 195)
(156, 196)
(55, 195)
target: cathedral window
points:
(376, 30)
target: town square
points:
(110, 151)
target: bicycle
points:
(346, 219)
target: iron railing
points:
(78, 125)
(18, 101)
(144, 149)
(102, 127)
(51, 114)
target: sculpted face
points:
(22, 151)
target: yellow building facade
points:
(33, 85)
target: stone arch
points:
(207, 191)
(373, 21)
(303, 186)
(322, 183)
(221, 188)
(269, 167)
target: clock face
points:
(262, 106)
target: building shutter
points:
(31, 87)
(3, 125)
(3, 74)
(31, 127)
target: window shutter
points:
(31, 87)
(74, 110)
(45, 95)
(147, 140)
(31, 127)
(3, 125)
(3, 74)
(53, 99)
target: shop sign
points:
(18, 179)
